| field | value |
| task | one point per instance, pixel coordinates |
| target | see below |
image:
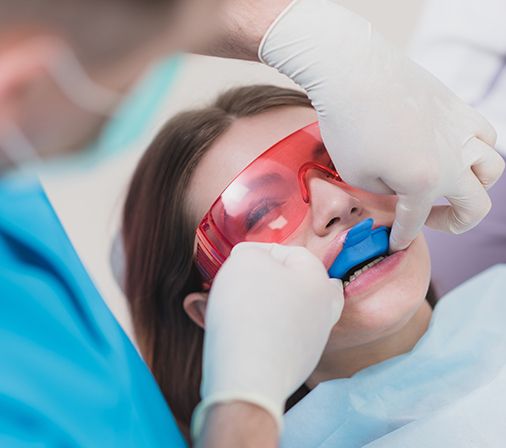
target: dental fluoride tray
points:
(362, 243)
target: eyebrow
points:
(270, 178)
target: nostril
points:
(332, 222)
(354, 210)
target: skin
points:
(382, 321)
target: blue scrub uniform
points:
(69, 375)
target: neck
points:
(346, 362)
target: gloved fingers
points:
(489, 165)
(297, 258)
(303, 262)
(251, 246)
(467, 208)
(282, 254)
(410, 215)
(271, 251)
(487, 132)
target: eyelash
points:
(259, 212)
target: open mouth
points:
(363, 248)
(359, 269)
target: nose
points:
(331, 206)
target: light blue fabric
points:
(449, 391)
(475, 421)
(69, 376)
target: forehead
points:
(240, 145)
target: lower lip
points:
(375, 276)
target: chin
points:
(388, 307)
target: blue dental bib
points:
(362, 243)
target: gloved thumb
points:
(411, 212)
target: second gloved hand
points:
(269, 316)
(389, 125)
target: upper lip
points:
(335, 247)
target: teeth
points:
(362, 270)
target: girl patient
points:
(186, 168)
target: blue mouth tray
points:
(362, 243)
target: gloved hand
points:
(269, 316)
(389, 126)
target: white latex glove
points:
(268, 319)
(388, 124)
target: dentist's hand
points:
(388, 124)
(268, 319)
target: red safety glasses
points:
(266, 202)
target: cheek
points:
(388, 309)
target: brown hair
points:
(158, 235)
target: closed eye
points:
(260, 211)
